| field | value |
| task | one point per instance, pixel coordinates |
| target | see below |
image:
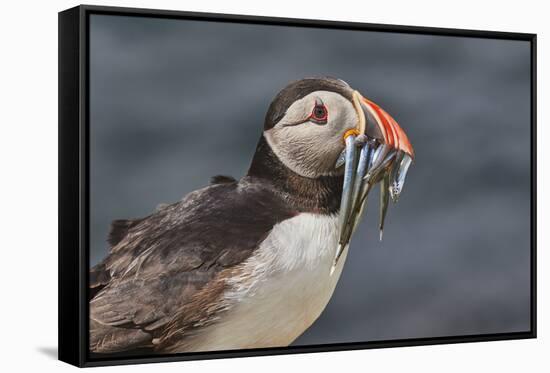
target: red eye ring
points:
(319, 114)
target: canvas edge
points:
(74, 192)
(71, 239)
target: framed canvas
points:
(238, 186)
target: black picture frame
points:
(74, 182)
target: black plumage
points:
(165, 258)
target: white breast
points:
(283, 288)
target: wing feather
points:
(165, 268)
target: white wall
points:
(28, 156)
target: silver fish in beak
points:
(382, 154)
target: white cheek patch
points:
(297, 113)
(311, 149)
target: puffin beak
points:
(383, 156)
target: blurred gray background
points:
(174, 102)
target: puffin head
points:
(308, 121)
(320, 127)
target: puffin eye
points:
(319, 114)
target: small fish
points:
(358, 192)
(362, 169)
(386, 162)
(398, 177)
(341, 159)
(384, 201)
(379, 158)
(347, 190)
(379, 155)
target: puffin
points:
(252, 263)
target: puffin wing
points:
(165, 274)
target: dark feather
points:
(166, 271)
(303, 194)
(99, 277)
(222, 179)
(119, 229)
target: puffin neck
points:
(316, 195)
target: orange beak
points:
(391, 131)
(374, 152)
